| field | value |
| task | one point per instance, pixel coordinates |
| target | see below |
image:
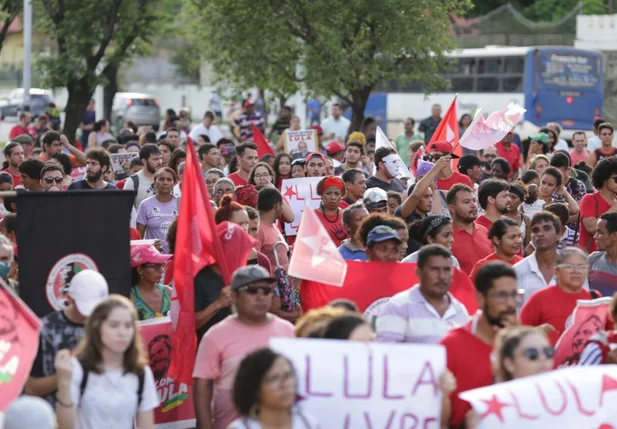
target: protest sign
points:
(19, 342)
(348, 384)
(300, 143)
(119, 159)
(176, 408)
(588, 317)
(78, 173)
(299, 192)
(575, 397)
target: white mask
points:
(393, 164)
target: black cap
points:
(468, 161)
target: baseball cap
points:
(144, 253)
(468, 161)
(87, 289)
(440, 146)
(248, 102)
(29, 412)
(315, 155)
(375, 198)
(249, 274)
(541, 138)
(382, 233)
(334, 147)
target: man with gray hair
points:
(223, 187)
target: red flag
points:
(369, 282)
(447, 130)
(315, 257)
(263, 148)
(19, 341)
(197, 245)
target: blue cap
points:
(382, 233)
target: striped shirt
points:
(409, 318)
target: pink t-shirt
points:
(219, 355)
(578, 157)
(267, 236)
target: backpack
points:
(84, 382)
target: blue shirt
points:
(89, 118)
(351, 252)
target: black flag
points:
(61, 233)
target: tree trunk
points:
(358, 104)
(79, 95)
(111, 75)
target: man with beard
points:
(159, 351)
(62, 330)
(535, 272)
(355, 186)
(143, 182)
(469, 348)
(471, 241)
(427, 311)
(388, 168)
(98, 162)
(14, 155)
(494, 198)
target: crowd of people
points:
(532, 223)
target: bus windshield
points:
(567, 70)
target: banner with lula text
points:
(298, 193)
(176, 408)
(300, 143)
(575, 397)
(353, 385)
(19, 342)
(120, 163)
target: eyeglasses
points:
(262, 176)
(157, 267)
(223, 191)
(503, 296)
(254, 290)
(570, 267)
(434, 158)
(533, 354)
(50, 180)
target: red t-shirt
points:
(238, 181)
(512, 155)
(446, 184)
(592, 205)
(134, 234)
(470, 248)
(16, 179)
(335, 228)
(492, 257)
(551, 305)
(484, 221)
(18, 130)
(469, 359)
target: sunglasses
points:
(254, 290)
(50, 180)
(534, 354)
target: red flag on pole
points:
(447, 130)
(19, 342)
(197, 245)
(263, 148)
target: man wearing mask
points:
(388, 167)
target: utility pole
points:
(27, 49)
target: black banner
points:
(62, 233)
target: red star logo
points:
(608, 383)
(289, 192)
(494, 407)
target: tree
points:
(338, 48)
(92, 36)
(9, 9)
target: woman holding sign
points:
(294, 125)
(265, 394)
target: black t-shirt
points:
(394, 185)
(208, 286)
(82, 184)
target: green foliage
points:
(9, 9)
(334, 47)
(544, 11)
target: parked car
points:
(37, 103)
(141, 109)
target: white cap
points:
(88, 288)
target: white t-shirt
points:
(214, 133)
(146, 188)
(338, 127)
(594, 143)
(562, 145)
(299, 420)
(110, 398)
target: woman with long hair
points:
(433, 229)
(261, 175)
(507, 240)
(150, 297)
(551, 183)
(108, 383)
(282, 169)
(100, 133)
(177, 157)
(521, 352)
(518, 194)
(331, 190)
(265, 393)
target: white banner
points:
(118, 159)
(300, 142)
(576, 397)
(349, 384)
(299, 192)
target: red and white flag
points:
(575, 397)
(483, 133)
(263, 148)
(19, 342)
(447, 130)
(315, 256)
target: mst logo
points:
(61, 275)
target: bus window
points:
(462, 84)
(488, 84)
(466, 66)
(490, 65)
(512, 84)
(514, 65)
